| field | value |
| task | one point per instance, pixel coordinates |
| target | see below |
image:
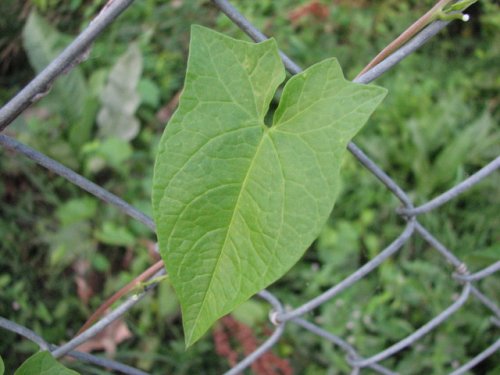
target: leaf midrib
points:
(219, 255)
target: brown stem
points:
(409, 33)
(127, 288)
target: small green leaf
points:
(236, 202)
(459, 6)
(149, 92)
(112, 234)
(76, 210)
(42, 44)
(42, 363)
(2, 366)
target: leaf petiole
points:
(142, 286)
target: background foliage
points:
(63, 252)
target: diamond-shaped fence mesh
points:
(279, 316)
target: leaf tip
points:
(190, 338)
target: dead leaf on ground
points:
(108, 339)
(82, 278)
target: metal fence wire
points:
(279, 316)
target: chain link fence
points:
(279, 316)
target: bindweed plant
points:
(236, 201)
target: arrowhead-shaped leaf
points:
(236, 203)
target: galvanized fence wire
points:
(279, 316)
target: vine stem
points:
(406, 35)
(126, 289)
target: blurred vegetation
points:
(63, 253)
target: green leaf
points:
(42, 363)
(459, 6)
(149, 92)
(113, 152)
(42, 44)
(236, 202)
(82, 133)
(2, 366)
(112, 234)
(76, 210)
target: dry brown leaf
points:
(83, 289)
(83, 286)
(108, 339)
